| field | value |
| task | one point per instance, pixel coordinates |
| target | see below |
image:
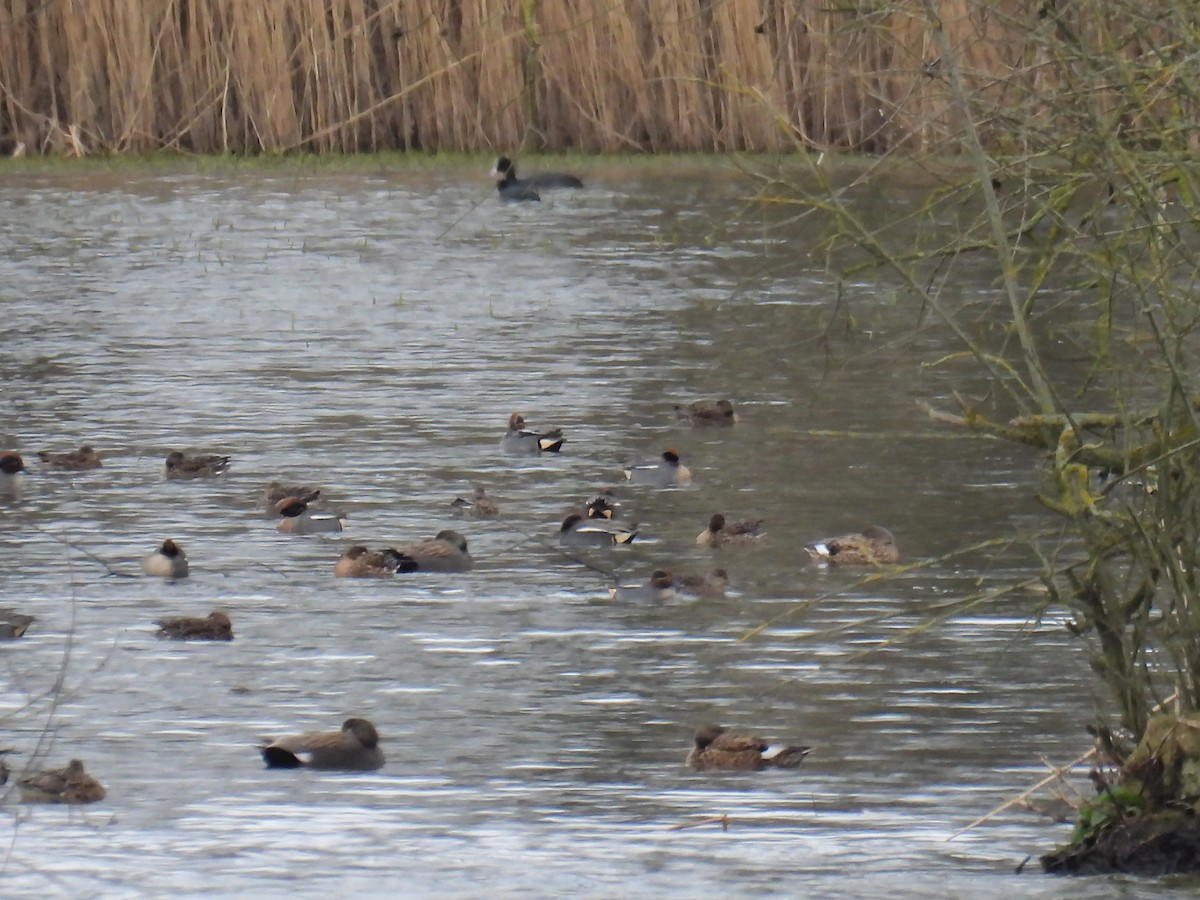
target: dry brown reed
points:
(587, 75)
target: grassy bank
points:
(338, 76)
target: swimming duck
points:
(512, 189)
(353, 749)
(480, 506)
(576, 531)
(446, 552)
(520, 442)
(711, 585)
(276, 491)
(72, 461)
(542, 181)
(706, 413)
(873, 546)
(660, 587)
(360, 562)
(11, 467)
(665, 470)
(213, 627)
(719, 532)
(180, 466)
(168, 561)
(13, 624)
(68, 785)
(297, 518)
(603, 506)
(718, 748)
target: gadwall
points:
(276, 491)
(446, 552)
(353, 749)
(661, 586)
(665, 470)
(11, 467)
(576, 531)
(719, 748)
(712, 585)
(80, 460)
(168, 561)
(480, 506)
(519, 441)
(873, 546)
(706, 413)
(13, 624)
(542, 181)
(180, 466)
(360, 562)
(67, 785)
(603, 506)
(297, 518)
(720, 532)
(213, 627)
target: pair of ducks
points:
(445, 552)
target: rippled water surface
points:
(370, 333)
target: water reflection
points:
(372, 335)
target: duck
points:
(216, 626)
(353, 749)
(13, 624)
(661, 586)
(719, 532)
(603, 506)
(707, 413)
(276, 491)
(67, 785)
(297, 518)
(11, 467)
(712, 585)
(512, 189)
(80, 460)
(518, 441)
(180, 466)
(480, 506)
(445, 552)
(873, 546)
(665, 470)
(168, 561)
(361, 562)
(576, 531)
(717, 747)
(542, 181)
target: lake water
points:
(370, 332)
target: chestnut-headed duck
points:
(13, 624)
(480, 506)
(361, 562)
(707, 413)
(540, 181)
(719, 748)
(276, 491)
(180, 466)
(80, 460)
(576, 531)
(213, 627)
(168, 561)
(661, 586)
(67, 785)
(519, 441)
(873, 546)
(665, 470)
(711, 585)
(11, 467)
(353, 749)
(446, 552)
(720, 532)
(297, 518)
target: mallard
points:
(353, 749)
(873, 546)
(213, 627)
(719, 748)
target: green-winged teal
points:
(576, 531)
(297, 518)
(520, 441)
(361, 562)
(80, 460)
(11, 467)
(666, 469)
(480, 506)
(707, 413)
(180, 466)
(168, 561)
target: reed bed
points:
(343, 76)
